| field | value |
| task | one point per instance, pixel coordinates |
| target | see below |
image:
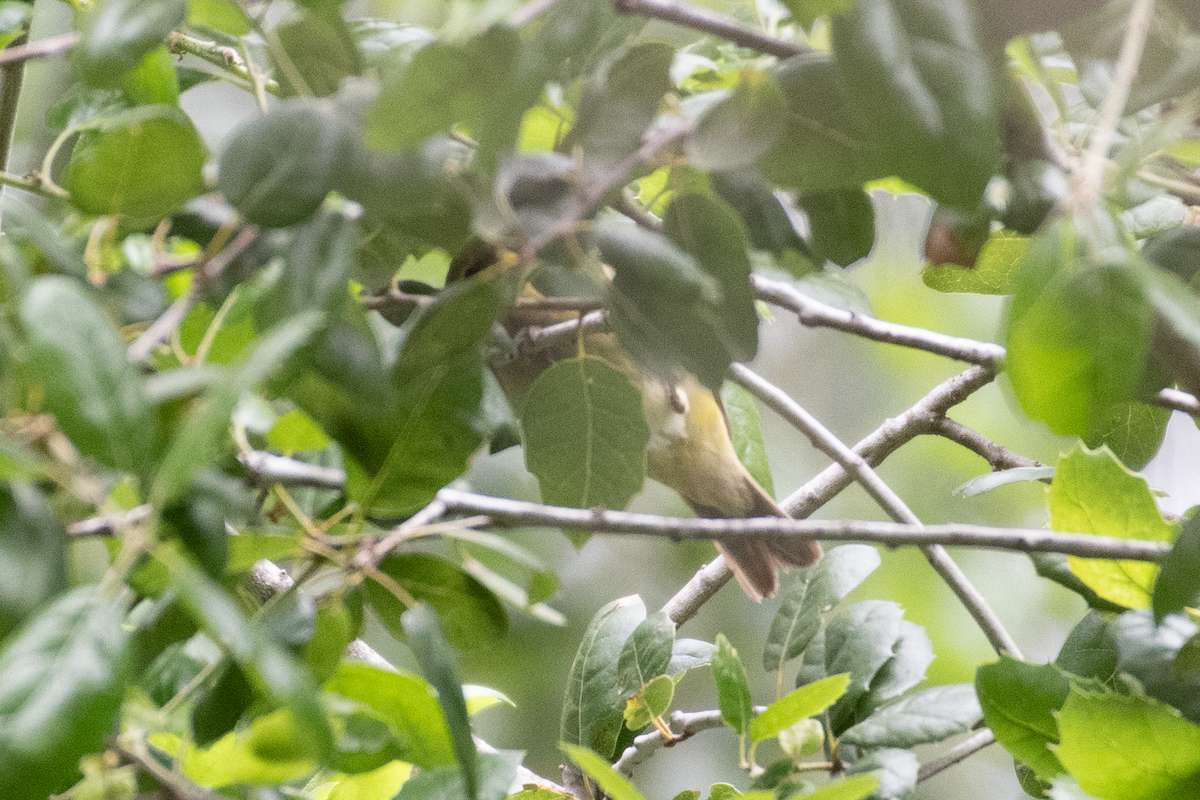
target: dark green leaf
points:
(118, 33)
(1019, 702)
(923, 87)
(585, 434)
(733, 691)
(471, 615)
(76, 356)
(440, 665)
(1151, 655)
(796, 705)
(1178, 583)
(1089, 650)
(860, 639)
(646, 654)
(27, 226)
(317, 267)
(408, 704)
(1055, 567)
(320, 52)
(200, 516)
(912, 655)
(62, 678)
(218, 709)
(745, 428)
(142, 170)
(496, 774)
(33, 553)
(767, 223)
(894, 770)
(823, 146)
(736, 131)
(808, 595)
(277, 169)
(1176, 250)
(930, 715)
(592, 712)
(843, 225)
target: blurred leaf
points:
(295, 432)
(540, 583)
(219, 708)
(1019, 703)
(26, 225)
(619, 102)
(200, 438)
(930, 715)
(62, 678)
(798, 704)
(923, 87)
(318, 265)
(860, 639)
(1089, 650)
(895, 770)
(646, 654)
(154, 81)
(809, 594)
(386, 44)
(855, 788)
(440, 665)
(823, 146)
(1128, 747)
(407, 703)
(86, 381)
(118, 33)
(497, 771)
(225, 16)
(33, 553)
(611, 782)
(1152, 654)
(842, 223)
(1178, 582)
(470, 614)
(805, 12)
(592, 712)
(276, 169)
(995, 270)
(745, 429)
(1176, 250)
(994, 480)
(733, 691)
(249, 547)
(480, 697)
(271, 750)
(334, 629)
(736, 131)
(144, 170)
(320, 50)
(199, 518)
(1157, 215)
(767, 223)
(1093, 493)
(585, 434)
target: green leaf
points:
(860, 640)
(153, 82)
(1156, 656)
(652, 701)
(378, 784)
(497, 771)
(896, 771)
(930, 715)
(62, 678)
(805, 12)
(95, 394)
(218, 710)
(911, 656)
(855, 788)
(1019, 703)
(144, 170)
(1128, 747)
(471, 616)
(617, 106)
(318, 265)
(295, 432)
(1178, 582)
(585, 434)
(1089, 650)
(689, 654)
(823, 145)
(1133, 431)
(842, 223)
(1078, 335)
(118, 33)
(1093, 493)
(745, 428)
(276, 169)
(592, 712)
(808, 595)
(796, 705)
(33, 553)
(708, 230)
(225, 16)
(733, 691)
(200, 438)
(767, 223)
(923, 86)
(995, 270)
(646, 654)
(994, 480)
(1055, 567)
(321, 52)
(408, 704)
(440, 666)
(737, 130)
(610, 781)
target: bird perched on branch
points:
(690, 448)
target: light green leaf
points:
(689, 654)
(746, 432)
(585, 434)
(1093, 493)
(118, 33)
(497, 771)
(378, 784)
(608, 779)
(994, 480)
(995, 270)
(855, 788)
(927, 716)
(797, 705)
(733, 691)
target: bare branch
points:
(707, 581)
(268, 469)
(683, 724)
(960, 752)
(710, 22)
(1177, 401)
(997, 456)
(108, 524)
(42, 48)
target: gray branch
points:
(960, 752)
(267, 469)
(683, 724)
(710, 22)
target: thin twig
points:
(628, 205)
(42, 48)
(683, 725)
(134, 748)
(707, 581)
(426, 516)
(1090, 178)
(268, 469)
(710, 22)
(1177, 401)
(108, 524)
(515, 513)
(219, 55)
(998, 456)
(960, 752)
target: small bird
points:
(690, 448)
